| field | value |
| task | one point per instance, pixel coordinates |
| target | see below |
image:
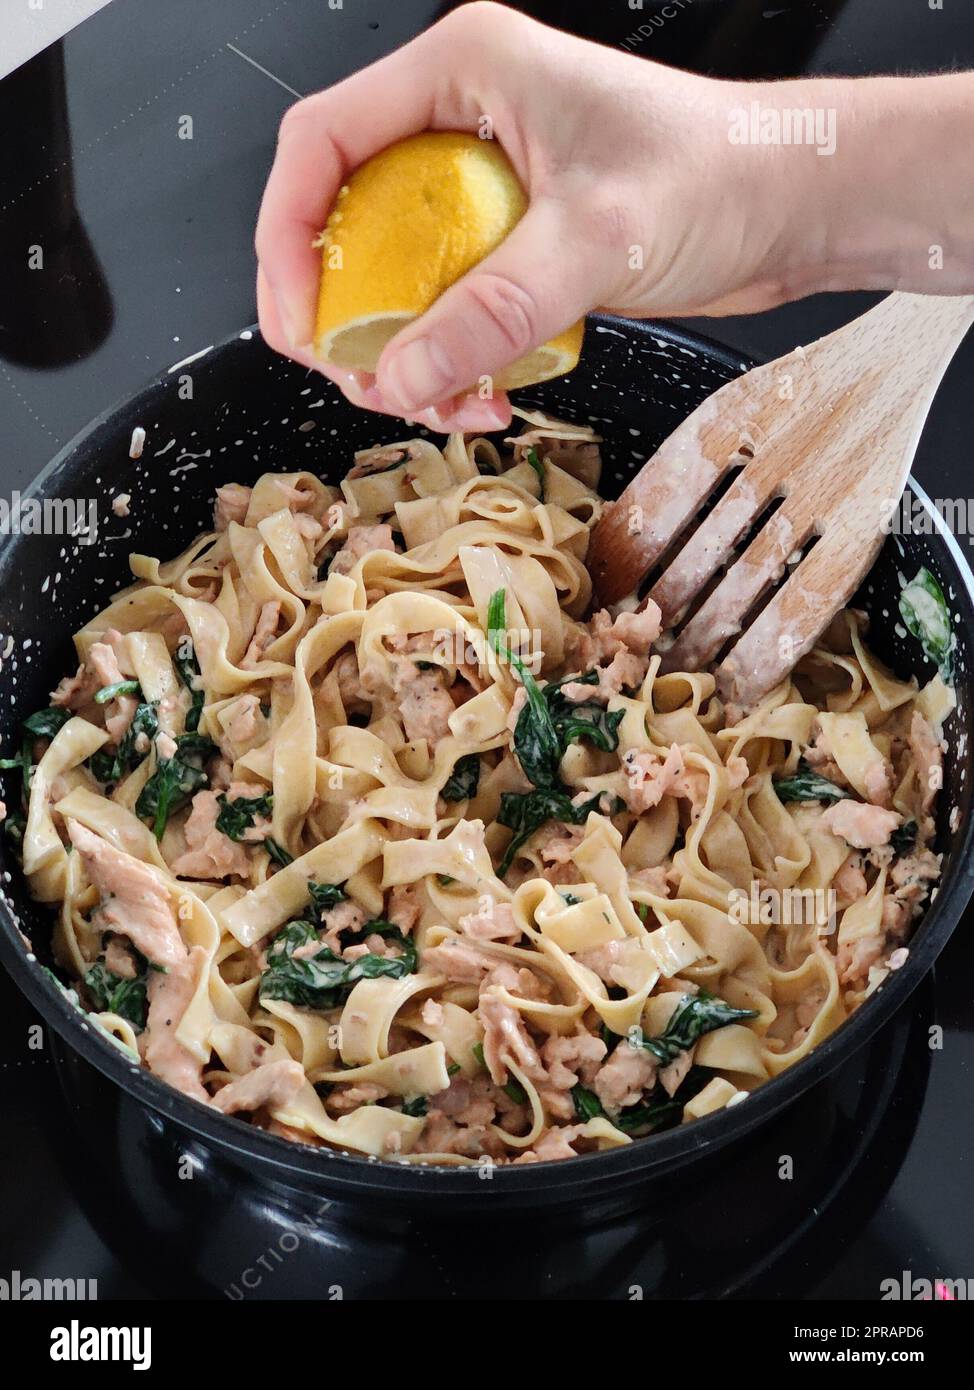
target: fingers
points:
(321, 140)
(326, 136)
(359, 387)
(271, 328)
(535, 285)
(467, 413)
(305, 177)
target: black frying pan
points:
(237, 411)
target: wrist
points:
(888, 203)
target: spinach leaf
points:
(540, 739)
(692, 1084)
(170, 787)
(587, 1104)
(806, 785)
(323, 980)
(109, 767)
(585, 718)
(112, 692)
(697, 1014)
(904, 838)
(46, 722)
(115, 994)
(14, 825)
(416, 1105)
(463, 781)
(196, 746)
(278, 853)
(294, 934)
(380, 927)
(515, 1092)
(637, 1117)
(174, 781)
(536, 739)
(538, 748)
(144, 721)
(22, 762)
(924, 611)
(548, 722)
(239, 815)
(325, 895)
(526, 812)
(651, 1116)
(104, 767)
(538, 466)
(185, 662)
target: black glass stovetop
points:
(148, 258)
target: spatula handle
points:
(934, 325)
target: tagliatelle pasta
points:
(360, 826)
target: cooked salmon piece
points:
(135, 902)
(273, 1085)
(928, 756)
(426, 706)
(495, 924)
(264, 632)
(209, 853)
(626, 1075)
(860, 824)
(506, 1036)
(232, 501)
(170, 992)
(361, 541)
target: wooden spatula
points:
(831, 429)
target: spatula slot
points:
(692, 526)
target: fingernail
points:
(417, 374)
(470, 413)
(296, 339)
(352, 388)
(430, 417)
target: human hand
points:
(639, 202)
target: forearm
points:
(893, 206)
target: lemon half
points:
(407, 225)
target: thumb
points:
(533, 286)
